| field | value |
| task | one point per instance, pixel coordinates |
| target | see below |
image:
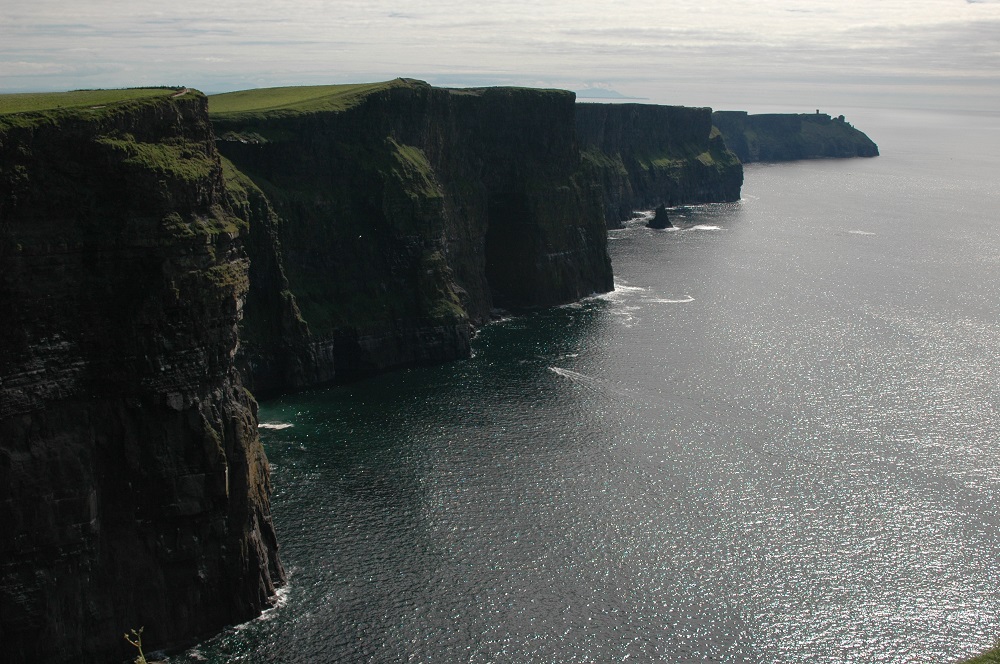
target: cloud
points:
(678, 44)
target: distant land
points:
(791, 136)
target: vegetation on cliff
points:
(270, 102)
(78, 100)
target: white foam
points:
(566, 372)
(280, 600)
(669, 301)
(621, 291)
(861, 233)
(575, 376)
(705, 227)
(594, 383)
(582, 379)
(623, 287)
(275, 425)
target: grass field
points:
(294, 100)
(45, 101)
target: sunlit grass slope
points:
(988, 657)
(296, 100)
(45, 101)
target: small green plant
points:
(135, 638)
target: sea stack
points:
(660, 219)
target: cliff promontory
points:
(405, 214)
(133, 483)
(787, 137)
(644, 156)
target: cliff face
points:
(645, 155)
(145, 279)
(406, 217)
(787, 137)
(132, 479)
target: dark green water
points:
(775, 442)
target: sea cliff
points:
(787, 137)
(155, 262)
(132, 480)
(644, 156)
(405, 214)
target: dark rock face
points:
(645, 155)
(660, 219)
(787, 137)
(132, 479)
(405, 220)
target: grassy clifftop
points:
(77, 99)
(246, 104)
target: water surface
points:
(774, 442)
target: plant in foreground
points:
(136, 640)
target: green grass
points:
(176, 158)
(991, 656)
(414, 171)
(296, 100)
(44, 101)
(598, 159)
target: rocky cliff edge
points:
(133, 483)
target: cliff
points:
(154, 261)
(132, 481)
(645, 156)
(143, 275)
(405, 214)
(787, 137)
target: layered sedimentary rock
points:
(645, 156)
(405, 216)
(787, 137)
(133, 484)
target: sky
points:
(719, 53)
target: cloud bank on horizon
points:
(711, 52)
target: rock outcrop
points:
(404, 218)
(787, 137)
(645, 156)
(660, 219)
(133, 483)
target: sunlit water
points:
(774, 442)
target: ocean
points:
(775, 441)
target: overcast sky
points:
(721, 53)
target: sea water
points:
(776, 441)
